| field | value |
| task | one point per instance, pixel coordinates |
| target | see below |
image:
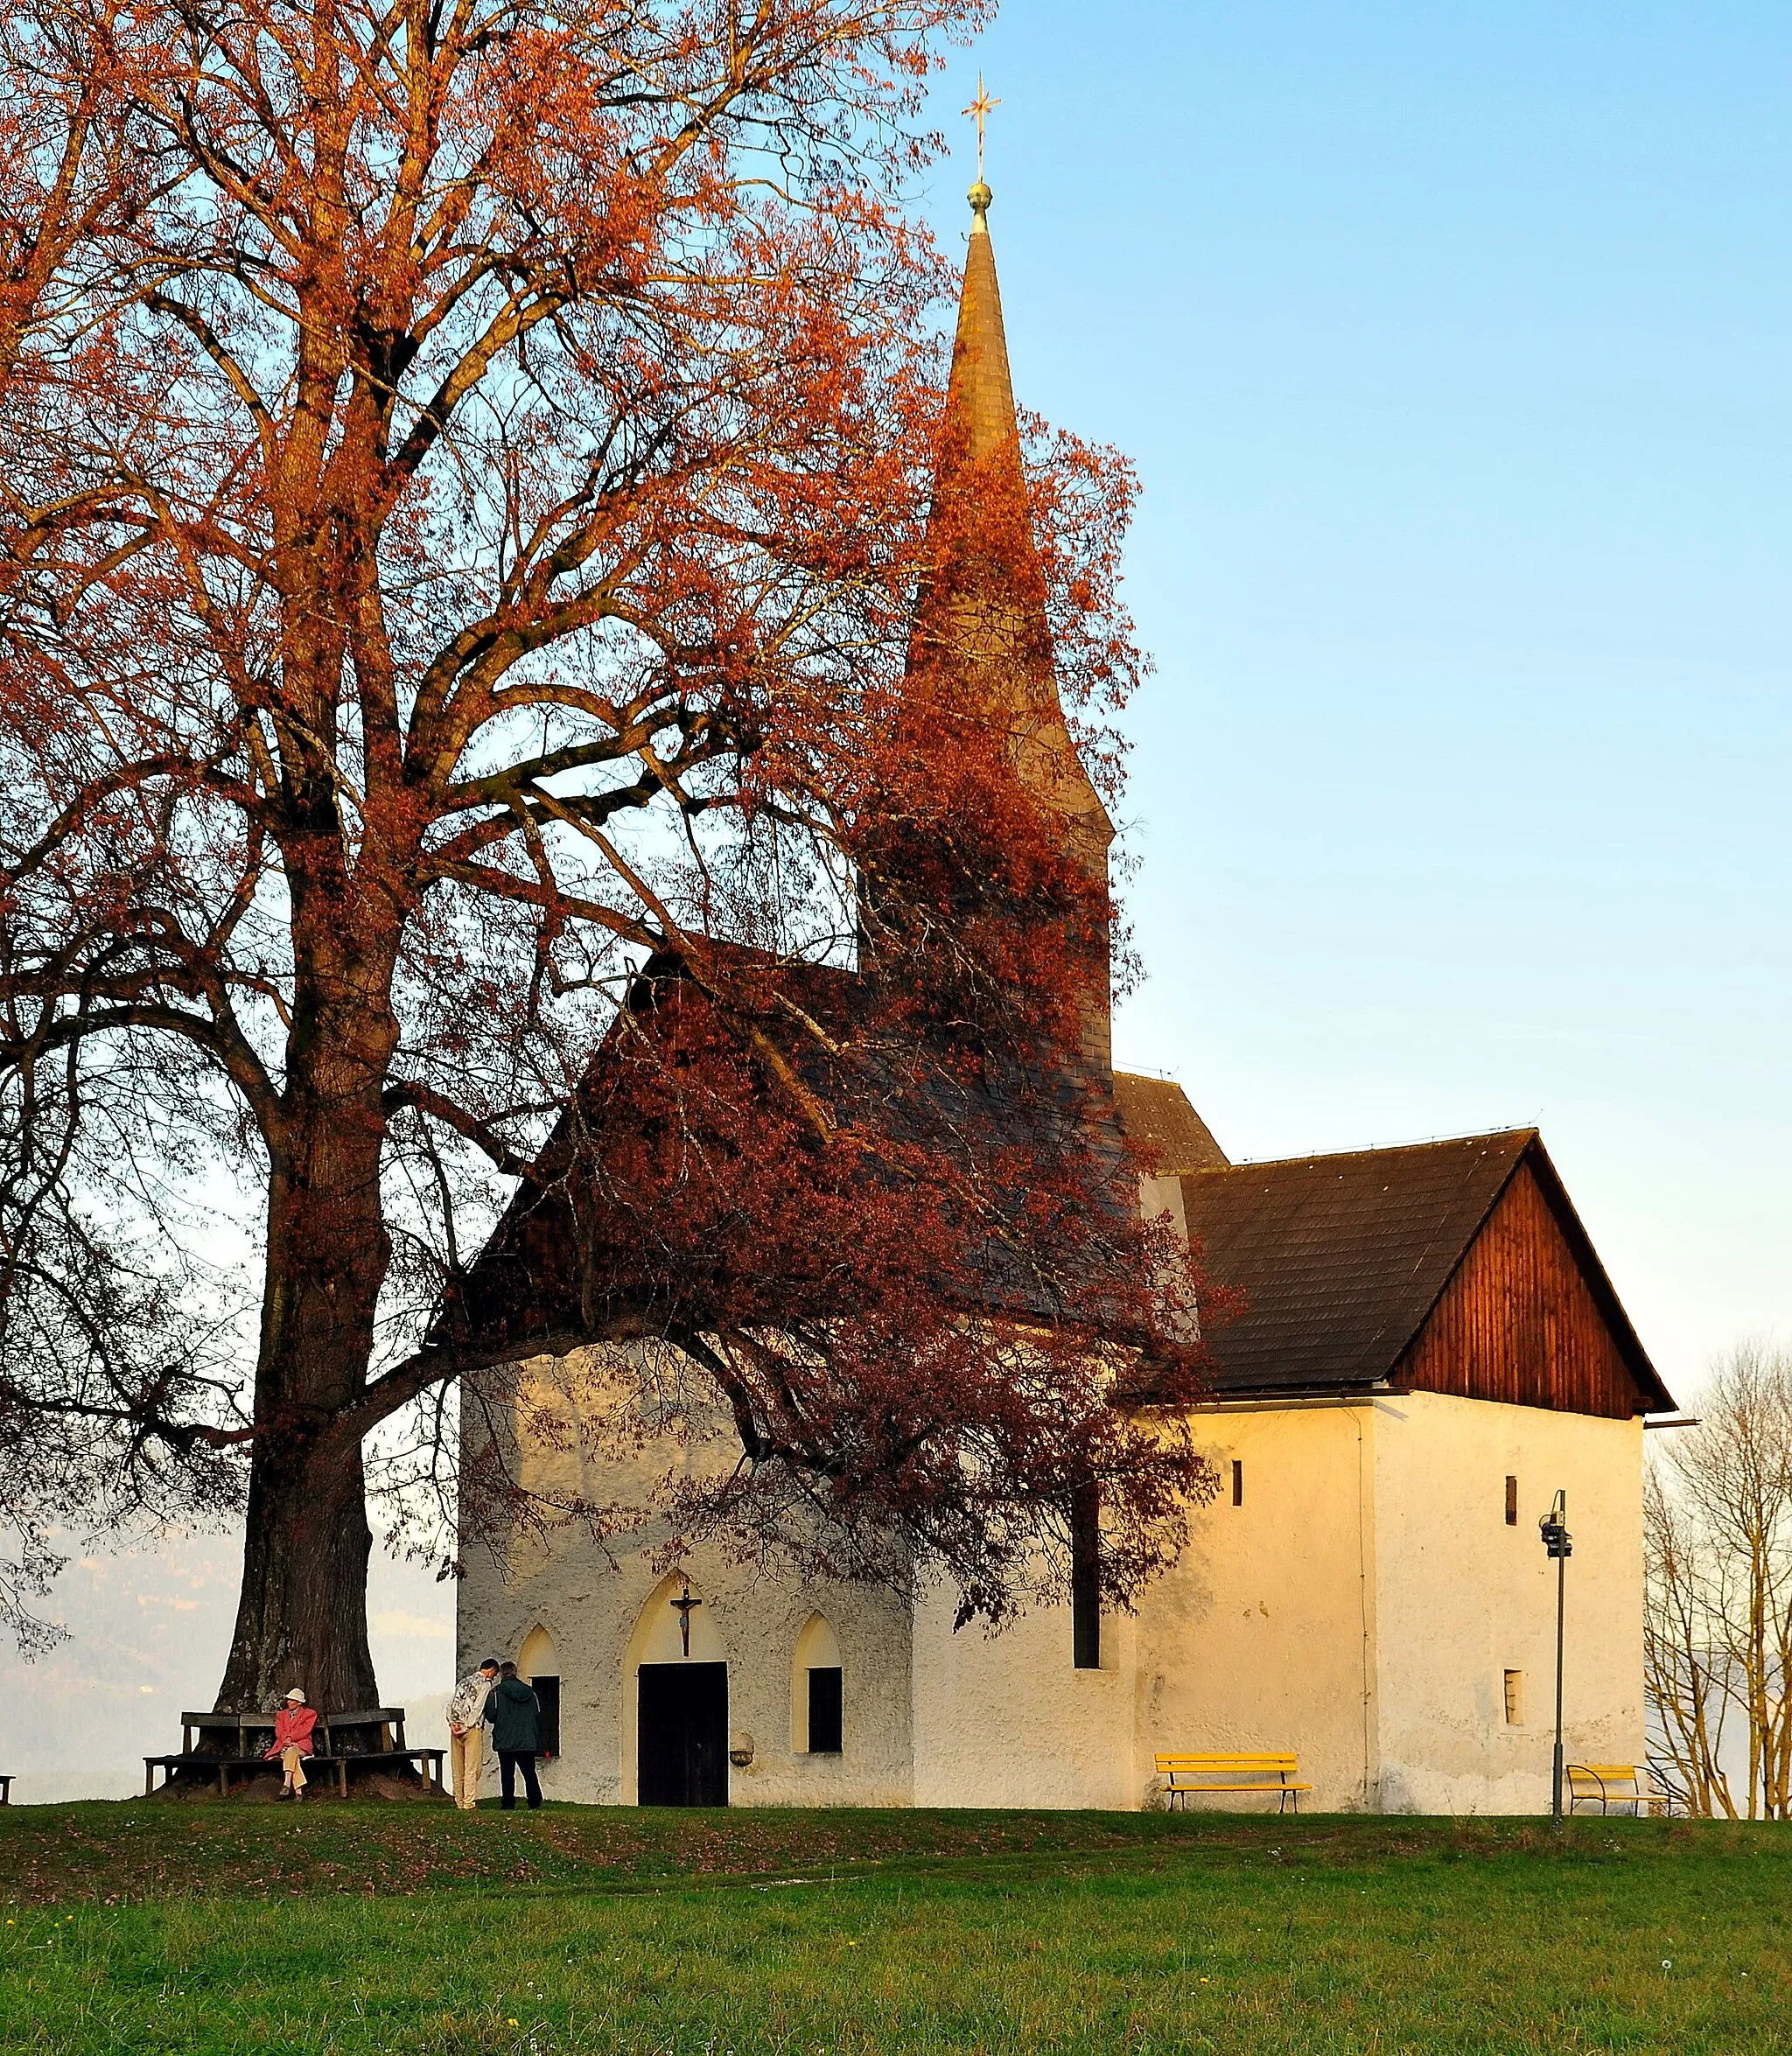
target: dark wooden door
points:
(684, 1734)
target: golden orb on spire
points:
(980, 196)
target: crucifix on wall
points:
(682, 1605)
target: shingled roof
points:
(1157, 1111)
(1342, 1259)
(546, 1277)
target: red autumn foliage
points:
(466, 478)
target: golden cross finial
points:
(980, 107)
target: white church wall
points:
(604, 1617)
(583, 1607)
(1462, 1597)
(1361, 1607)
(875, 1765)
(1007, 1719)
(586, 1603)
(605, 1621)
(1262, 1635)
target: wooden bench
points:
(246, 1729)
(1260, 1771)
(427, 1763)
(1606, 1785)
(389, 1720)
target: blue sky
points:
(1452, 344)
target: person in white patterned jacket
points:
(466, 1733)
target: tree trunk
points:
(302, 1618)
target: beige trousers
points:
(292, 1762)
(467, 1754)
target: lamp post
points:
(1560, 1546)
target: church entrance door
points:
(684, 1734)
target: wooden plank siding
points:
(1519, 1322)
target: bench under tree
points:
(337, 1742)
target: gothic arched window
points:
(817, 1696)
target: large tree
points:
(466, 471)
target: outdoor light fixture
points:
(1559, 1544)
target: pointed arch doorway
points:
(682, 1724)
(680, 1689)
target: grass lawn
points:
(147, 1927)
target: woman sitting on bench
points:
(292, 1742)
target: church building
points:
(1429, 1351)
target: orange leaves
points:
(469, 481)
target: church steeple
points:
(981, 394)
(980, 648)
(982, 614)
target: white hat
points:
(296, 1694)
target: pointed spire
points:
(980, 656)
(983, 614)
(980, 399)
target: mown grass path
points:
(153, 1927)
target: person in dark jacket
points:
(516, 1714)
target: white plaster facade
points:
(1364, 1603)
(1361, 1606)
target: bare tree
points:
(1718, 1525)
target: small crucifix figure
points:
(684, 1606)
(980, 107)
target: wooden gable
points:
(1527, 1318)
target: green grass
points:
(155, 1927)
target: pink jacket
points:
(292, 1730)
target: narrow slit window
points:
(1086, 1579)
(827, 1711)
(1511, 1502)
(1237, 1482)
(1515, 1698)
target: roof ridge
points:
(1435, 1141)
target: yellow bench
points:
(1250, 1770)
(1606, 1785)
